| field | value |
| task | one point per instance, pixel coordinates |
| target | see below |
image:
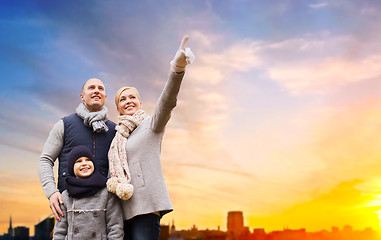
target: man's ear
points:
(81, 96)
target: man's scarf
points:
(95, 120)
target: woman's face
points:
(129, 102)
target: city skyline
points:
(278, 116)
(236, 226)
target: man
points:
(90, 127)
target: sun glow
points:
(370, 189)
(379, 217)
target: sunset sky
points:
(278, 117)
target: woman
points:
(134, 155)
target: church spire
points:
(10, 229)
(173, 228)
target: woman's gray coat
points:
(143, 156)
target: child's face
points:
(83, 167)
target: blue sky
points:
(283, 97)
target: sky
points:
(279, 116)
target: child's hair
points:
(75, 153)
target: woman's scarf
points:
(95, 120)
(120, 178)
(85, 187)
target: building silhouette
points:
(17, 233)
(235, 223)
(10, 229)
(21, 233)
(235, 231)
(259, 234)
(9, 234)
(44, 229)
(164, 232)
(235, 226)
(173, 228)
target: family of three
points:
(110, 180)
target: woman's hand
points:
(183, 57)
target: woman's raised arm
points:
(168, 97)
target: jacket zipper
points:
(94, 148)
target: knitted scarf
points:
(120, 178)
(85, 187)
(95, 120)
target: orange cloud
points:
(320, 76)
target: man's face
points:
(93, 95)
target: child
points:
(90, 211)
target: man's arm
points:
(61, 227)
(50, 152)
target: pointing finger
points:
(184, 42)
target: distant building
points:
(6, 237)
(10, 229)
(214, 235)
(174, 235)
(164, 232)
(9, 234)
(335, 229)
(288, 234)
(173, 228)
(43, 230)
(259, 234)
(235, 223)
(347, 229)
(21, 233)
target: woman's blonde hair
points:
(117, 95)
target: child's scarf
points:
(85, 187)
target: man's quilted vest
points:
(75, 134)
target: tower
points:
(235, 223)
(173, 228)
(10, 229)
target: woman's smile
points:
(129, 102)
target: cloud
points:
(320, 63)
(205, 90)
(322, 76)
(348, 133)
(318, 5)
(216, 65)
(238, 57)
(369, 11)
(27, 123)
